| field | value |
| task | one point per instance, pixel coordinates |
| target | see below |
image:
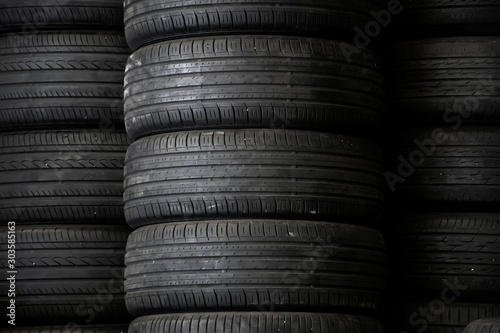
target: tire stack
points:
(62, 151)
(444, 99)
(487, 325)
(253, 183)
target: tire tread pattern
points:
(254, 265)
(254, 322)
(219, 171)
(76, 268)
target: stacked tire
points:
(253, 183)
(62, 150)
(446, 175)
(487, 325)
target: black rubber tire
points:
(69, 329)
(60, 176)
(457, 169)
(488, 325)
(448, 17)
(252, 82)
(452, 318)
(445, 80)
(66, 274)
(460, 248)
(250, 265)
(61, 78)
(34, 16)
(149, 21)
(255, 322)
(284, 174)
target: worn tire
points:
(249, 265)
(487, 325)
(452, 318)
(255, 322)
(448, 17)
(456, 169)
(61, 176)
(461, 248)
(61, 78)
(33, 16)
(78, 272)
(200, 175)
(252, 82)
(149, 21)
(445, 80)
(69, 329)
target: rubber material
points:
(436, 318)
(255, 322)
(455, 169)
(61, 78)
(452, 80)
(268, 265)
(199, 175)
(434, 251)
(488, 325)
(32, 16)
(448, 17)
(78, 272)
(69, 329)
(61, 176)
(149, 21)
(251, 81)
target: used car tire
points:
(252, 82)
(255, 322)
(248, 265)
(34, 16)
(486, 325)
(445, 168)
(78, 272)
(149, 21)
(200, 175)
(448, 17)
(450, 81)
(436, 316)
(62, 175)
(62, 78)
(434, 251)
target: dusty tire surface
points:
(447, 168)
(149, 21)
(252, 82)
(487, 325)
(445, 317)
(62, 78)
(434, 251)
(62, 175)
(78, 272)
(33, 16)
(449, 17)
(255, 322)
(452, 81)
(247, 265)
(200, 175)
